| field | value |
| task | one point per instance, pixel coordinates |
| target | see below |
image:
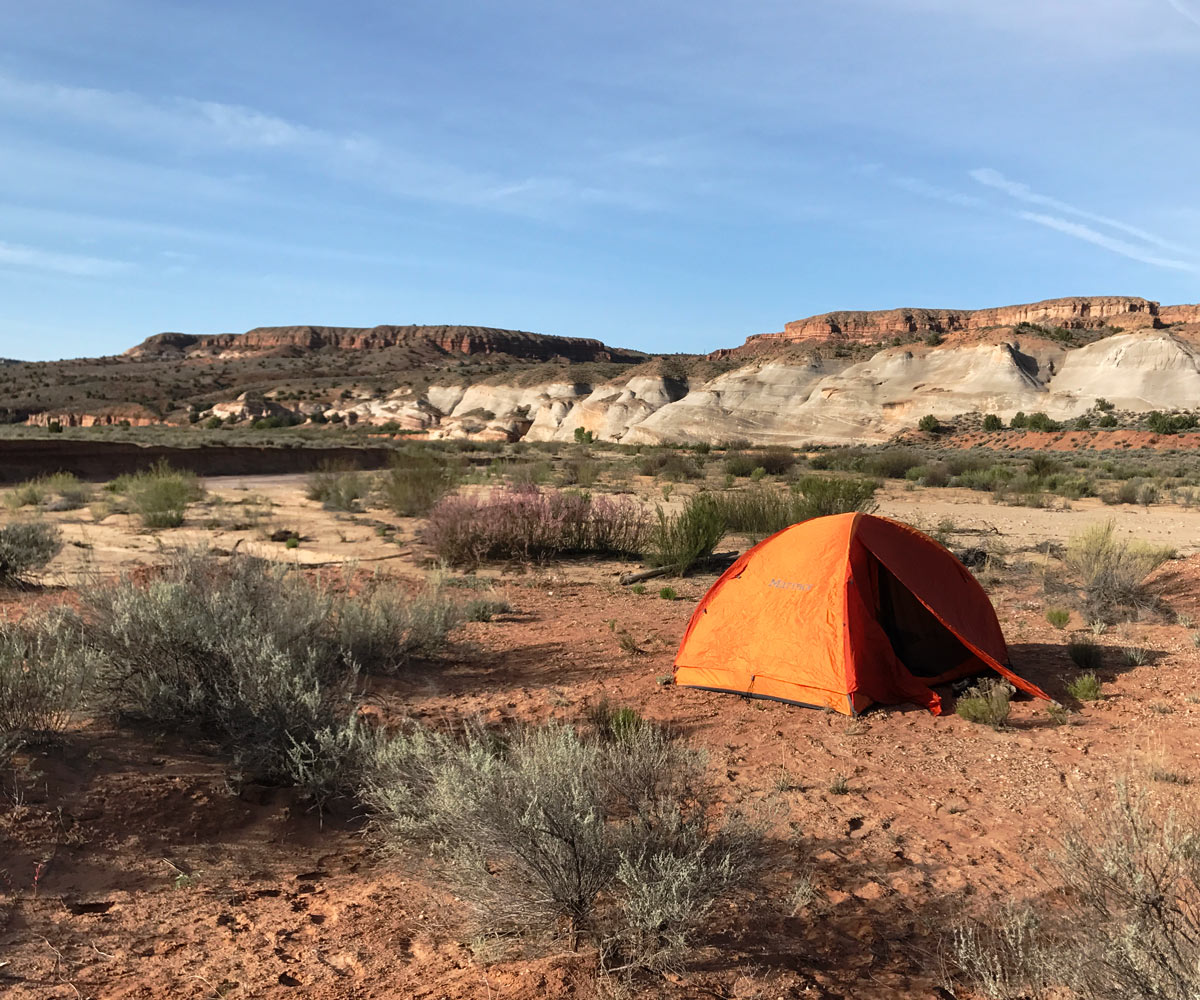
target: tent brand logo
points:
(790, 585)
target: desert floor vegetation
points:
(469, 775)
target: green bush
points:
(1041, 422)
(1108, 420)
(60, 491)
(929, 424)
(159, 495)
(1086, 687)
(41, 679)
(338, 488)
(1019, 421)
(483, 609)
(991, 422)
(415, 482)
(818, 496)
(679, 541)
(25, 548)
(671, 465)
(254, 657)
(1113, 571)
(609, 839)
(740, 463)
(1058, 617)
(668, 593)
(1169, 423)
(776, 461)
(986, 703)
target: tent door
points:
(923, 644)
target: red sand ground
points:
(135, 868)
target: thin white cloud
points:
(1023, 193)
(1111, 243)
(926, 190)
(183, 120)
(1186, 11)
(215, 128)
(17, 255)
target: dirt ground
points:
(133, 867)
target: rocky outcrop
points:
(814, 400)
(464, 340)
(879, 327)
(132, 416)
(1172, 315)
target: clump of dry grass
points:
(1123, 922)
(1113, 571)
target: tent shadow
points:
(1049, 665)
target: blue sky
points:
(663, 174)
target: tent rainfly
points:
(841, 612)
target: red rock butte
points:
(1079, 313)
(466, 340)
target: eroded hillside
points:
(832, 378)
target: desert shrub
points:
(25, 548)
(1102, 404)
(761, 511)
(932, 474)
(530, 524)
(611, 839)
(529, 474)
(668, 593)
(1019, 421)
(59, 491)
(1041, 422)
(1108, 420)
(415, 482)
(740, 463)
(758, 512)
(669, 465)
(252, 656)
(336, 488)
(1085, 654)
(1113, 570)
(679, 541)
(1058, 617)
(1169, 423)
(889, 463)
(1122, 924)
(929, 423)
(159, 495)
(991, 422)
(992, 478)
(581, 472)
(483, 609)
(1085, 687)
(1147, 494)
(986, 703)
(776, 461)
(1127, 492)
(817, 496)
(41, 679)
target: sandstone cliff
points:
(465, 340)
(879, 327)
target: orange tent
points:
(839, 612)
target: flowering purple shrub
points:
(528, 523)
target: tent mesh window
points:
(921, 642)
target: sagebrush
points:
(547, 831)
